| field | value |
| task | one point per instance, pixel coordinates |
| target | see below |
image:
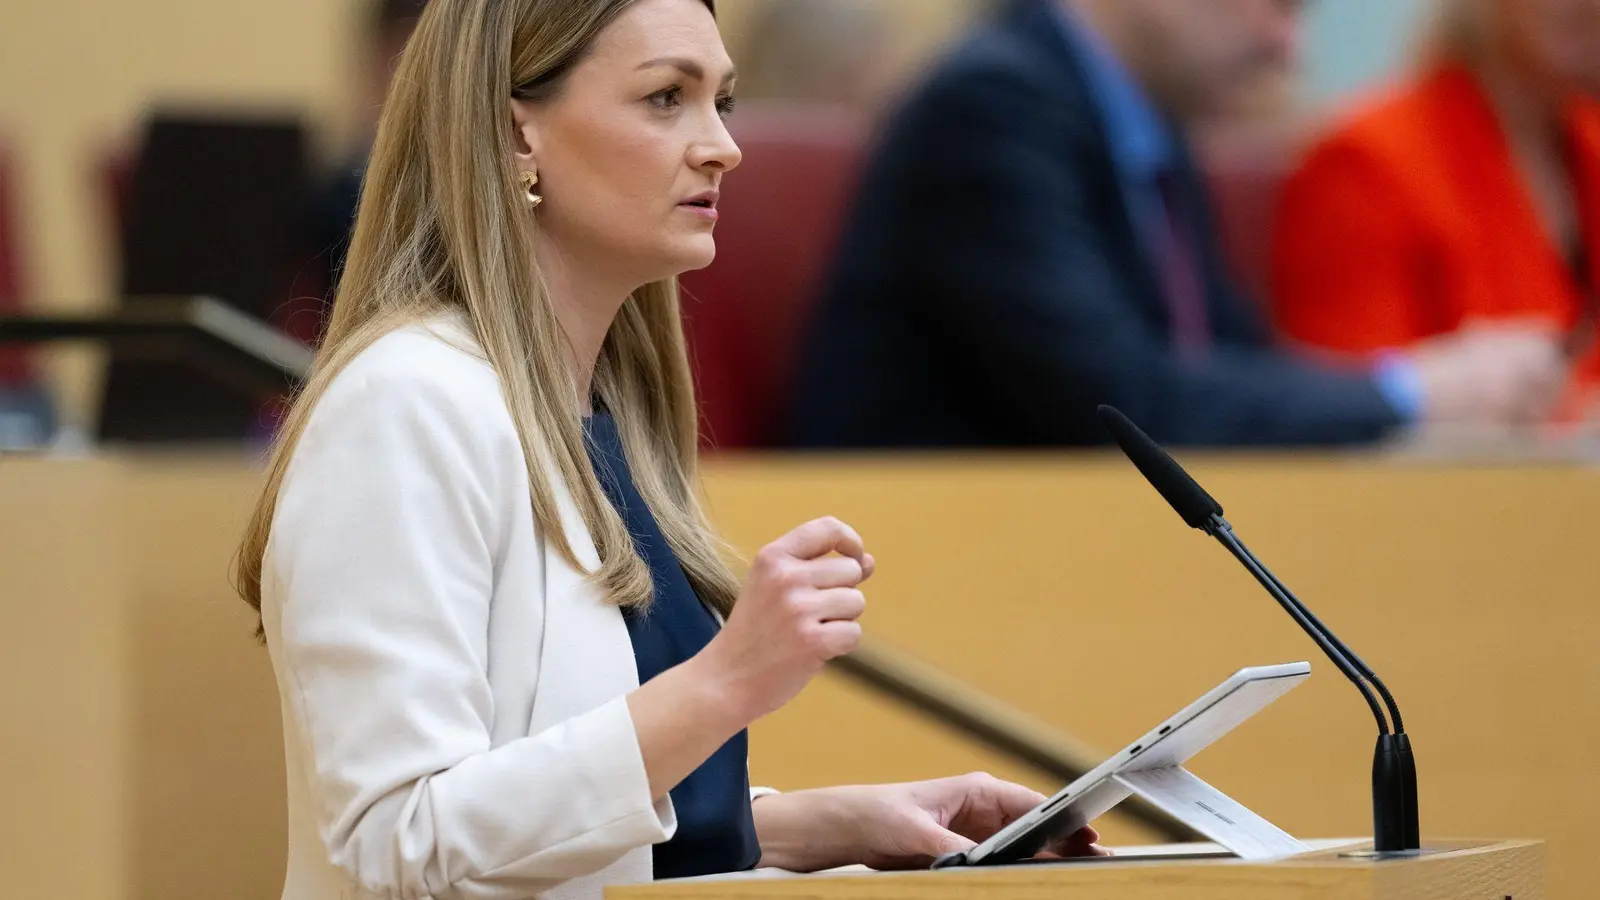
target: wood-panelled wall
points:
(140, 722)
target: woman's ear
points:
(524, 124)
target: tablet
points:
(1171, 743)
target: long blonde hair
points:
(442, 227)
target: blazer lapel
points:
(587, 655)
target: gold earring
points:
(530, 184)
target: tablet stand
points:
(1187, 799)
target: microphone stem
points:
(1365, 670)
(1223, 532)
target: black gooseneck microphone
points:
(1394, 771)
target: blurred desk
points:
(142, 720)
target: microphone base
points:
(1381, 855)
(1394, 796)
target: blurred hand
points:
(798, 610)
(1506, 374)
(897, 826)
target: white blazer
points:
(452, 690)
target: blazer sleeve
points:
(384, 544)
(1018, 268)
(1343, 258)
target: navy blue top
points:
(716, 829)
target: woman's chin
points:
(695, 253)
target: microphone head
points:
(1191, 501)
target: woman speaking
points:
(510, 658)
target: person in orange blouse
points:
(1468, 200)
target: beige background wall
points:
(75, 76)
(143, 725)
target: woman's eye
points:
(669, 98)
(725, 105)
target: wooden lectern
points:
(1462, 870)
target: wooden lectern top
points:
(1464, 870)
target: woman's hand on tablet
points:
(897, 826)
(798, 610)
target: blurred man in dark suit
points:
(1032, 240)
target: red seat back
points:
(782, 211)
(15, 366)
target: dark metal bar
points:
(177, 326)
